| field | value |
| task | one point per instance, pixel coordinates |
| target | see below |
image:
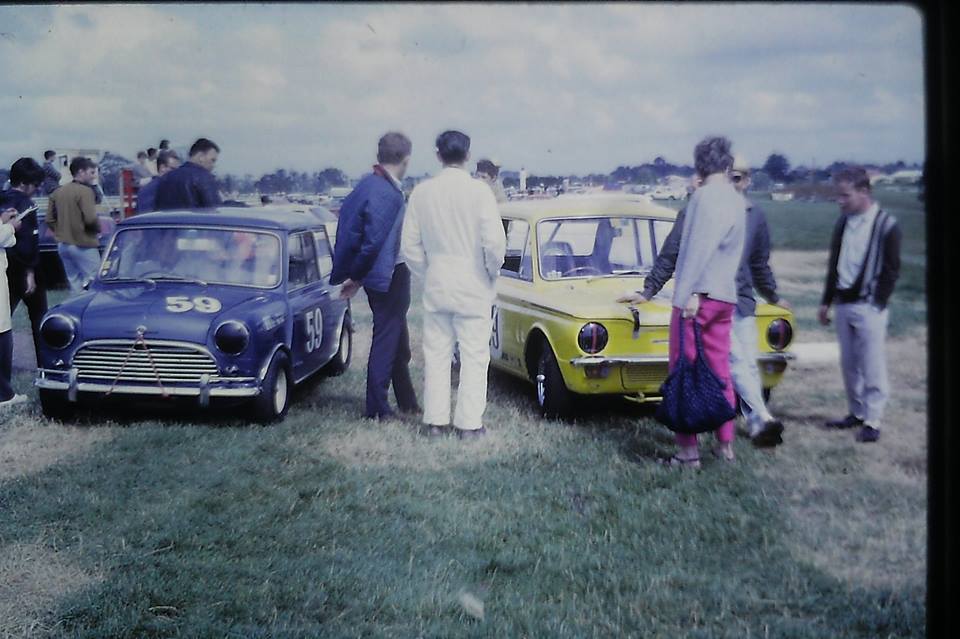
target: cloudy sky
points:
(555, 88)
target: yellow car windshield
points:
(597, 246)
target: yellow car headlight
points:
(592, 338)
(779, 334)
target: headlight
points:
(779, 334)
(592, 338)
(58, 331)
(232, 337)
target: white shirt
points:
(854, 244)
(453, 238)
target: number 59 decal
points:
(202, 304)
(314, 329)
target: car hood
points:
(596, 300)
(119, 311)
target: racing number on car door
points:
(314, 329)
(495, 346)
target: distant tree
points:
(646, 175)
(777, 167)
(760, 181)
(334, 177)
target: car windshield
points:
(595, 247)
(210, 256)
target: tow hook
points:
(636, 321)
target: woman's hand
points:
(692, 306)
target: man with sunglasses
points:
(754, 272)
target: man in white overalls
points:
(453, 239)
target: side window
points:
(303, 260)
(517, 261)
(324, 258)
(661, 229)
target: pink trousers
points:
(715, 319)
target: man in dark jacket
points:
(51, 176)
(191, 185)
(23, 279)
(366, 254)
(863, 269)
(754, 272)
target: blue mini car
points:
(230, 304)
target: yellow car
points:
(556, 322)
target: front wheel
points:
(274, 399)
(55, 405)
(341, 360)
(553, 397)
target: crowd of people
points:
(449, 234)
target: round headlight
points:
(58, 331)
(779, 334)
(232, 337)
(592, 338)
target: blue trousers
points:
(390, 350)
(6, 365)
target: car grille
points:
(175, 364)
(644, 374)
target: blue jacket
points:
(26, 252)
(147, 196)
(368, 233)
(189, 186)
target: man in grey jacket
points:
(754, 272)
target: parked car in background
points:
(555, 319)
(667, 192)
(218, 306)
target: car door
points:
(333, 307)
(308, 297)
(513, 289)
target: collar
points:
(716, 177)
(382, 172)
(856, 219)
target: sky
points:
(557, 89)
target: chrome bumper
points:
(204, 390)
(599, 360)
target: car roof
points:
(281, 218)
(587, 205)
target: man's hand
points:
(692, 306)
(633, 298)
(31, 283)
(9, 216)
(348, 289)
(822, 315)
(785, 304)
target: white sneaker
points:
(13, 401)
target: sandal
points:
(680, 462)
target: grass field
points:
(179, 525)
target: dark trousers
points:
(6, 365)
(390, 351)
(36, 302)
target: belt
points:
(849, 295)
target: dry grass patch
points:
(28, 445)
(33, 579)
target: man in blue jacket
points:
(367, 253)
(167, 161)
(191, 185)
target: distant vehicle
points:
(228, 305)
(337, 194)
(666, 192)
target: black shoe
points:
(770, 434)
(432, 430)
(868, 434)
(471, 434)
(847, 422)
(382, 417)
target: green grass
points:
(331, 525)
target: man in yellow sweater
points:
(72, 217)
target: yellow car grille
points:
(643, 374)
(174, 364)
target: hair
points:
(141, 154)
(26, 171)
(488, 167)
(81, 163)
(453, 147)
(855, 175)
(49, 153)
(393, 148)
(164, 145)
(165, 157)
(712, 155)
(151, 152)
(202, 146)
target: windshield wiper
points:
(617, 274)
(131, 279)
(178, 278)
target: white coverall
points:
(453, 239)
(7, 238)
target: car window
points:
(324, 258)
(517, 262)
(592, 247)
(217, 256)
(303, 260)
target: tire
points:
(341, 359)
(274, 399)
(55, 404)
(553, 398)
